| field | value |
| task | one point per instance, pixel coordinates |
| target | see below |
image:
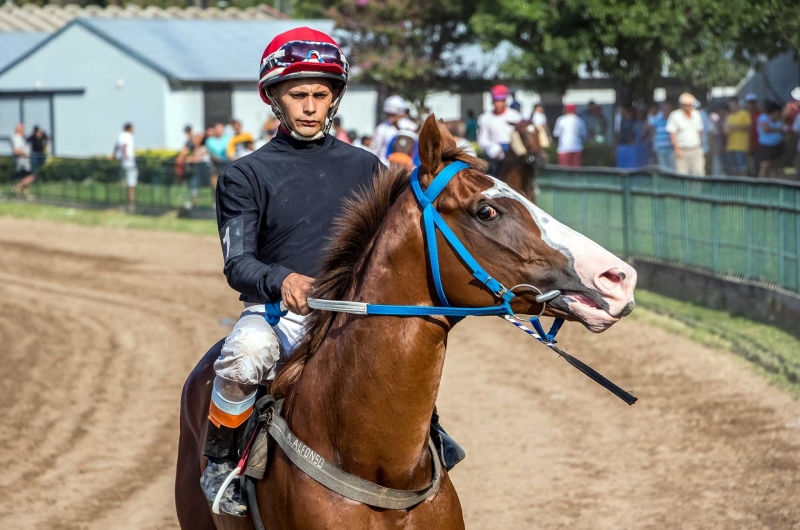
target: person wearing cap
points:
(495, 127)
(570, 129)
(275, 209)
(685, 127)
(396, 110)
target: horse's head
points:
(518, 243)
(526, 141)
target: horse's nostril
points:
(614, 276)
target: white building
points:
(82, 83)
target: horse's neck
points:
(365, 398)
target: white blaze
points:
(589, 260)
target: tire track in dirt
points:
(99, 328)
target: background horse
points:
(360, 390)
(526, 155)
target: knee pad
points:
(249, 352)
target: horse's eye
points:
(487, 213)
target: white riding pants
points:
(252, 350)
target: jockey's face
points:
(305, 104)
(499, 106)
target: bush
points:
(6, 169)
(152, 169)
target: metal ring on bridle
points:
(542, 298)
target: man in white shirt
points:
(685, 127)
(126, 154)
(571, 132)
(22, 162)
(495, 127)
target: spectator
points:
(236, 145)
(38, 142)
(737, 149)
(339, 131)
(628, 133)
(125, 152)
(662, 144)
(200, 161)
(181, 167)
(571, 133)
(248, 148)
(595, 122)
(365, 142)
(23, 170)
(471, 133)
(796, 131)
(538, 117)
(707, 127)
(718, 146)
(351, 136)
(770, 141)
(270, 129)
(685, 127)
(217, 145)
(751, 105)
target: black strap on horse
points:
(269, 421)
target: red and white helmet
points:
(500, 93)
(298, 53)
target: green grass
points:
(114, 218)
(774, 353)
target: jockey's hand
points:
(294, 290)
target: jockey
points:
(274, 212)
(495, 127)
(396, 109)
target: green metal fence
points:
(730, 227)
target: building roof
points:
(190, 50)
(12, 45)
(52, 17)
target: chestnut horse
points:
(360, 390)
(526, 155)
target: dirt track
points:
(99, 327)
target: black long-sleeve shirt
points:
(275, 208)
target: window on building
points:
(217, 102)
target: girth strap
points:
(345, 484)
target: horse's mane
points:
(353, 231)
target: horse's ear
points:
(431, 146)
(447, 138)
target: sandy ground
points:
(99, 327)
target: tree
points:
(406, 46)
(699, 42)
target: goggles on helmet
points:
(305, 51)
